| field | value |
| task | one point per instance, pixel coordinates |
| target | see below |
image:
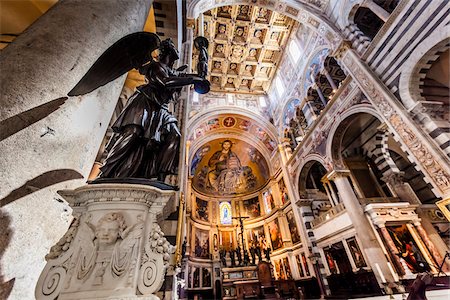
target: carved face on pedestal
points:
(107, 233)
(108, 229)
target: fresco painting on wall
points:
(201, 212)
(275, 234)
(213, 124)
(283, 190)
(252, 207)
(228, 169)
(407, 247)
(244, 124)
(201, 245)
(295, 235)
(358, 258)
(269, 202)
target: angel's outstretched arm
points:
(177, 81)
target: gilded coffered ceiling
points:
(246, 45)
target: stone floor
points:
(431, 295)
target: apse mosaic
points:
(228, 167)
(232, 121)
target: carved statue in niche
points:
(244, 12)
(224, 11)
(252, 54)
(264, 71)
(219, 51)
(244, 84)
(232, 69)
(215, 80)
(230, 83)
(217, 67)
(257, 37)
(237, 53)
(107, 250)
(248, 70)
(221, 32)
(262, 15)
(239, 35)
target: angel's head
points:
(168, 53)
(109, 228)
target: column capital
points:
(383, 127)
(343, 47)
(190, 23)
(338, 174)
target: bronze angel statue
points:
(146, 141)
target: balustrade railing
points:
(365, 201)
(331, 213)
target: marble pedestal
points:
(114, 248)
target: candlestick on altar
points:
(241, 223)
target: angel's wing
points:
(131, 51)
(125, 251)
(87, 250)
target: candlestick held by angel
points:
(146, 140)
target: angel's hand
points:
(182, 68)
(201, 85)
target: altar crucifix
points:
(241, 223)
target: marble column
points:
(431, 248)
(327, 190)
(329, 78)
(376, 9)
(321, 96)
(49, 142)
(366, 236)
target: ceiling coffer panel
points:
(246, 43)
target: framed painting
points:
(444, 206)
